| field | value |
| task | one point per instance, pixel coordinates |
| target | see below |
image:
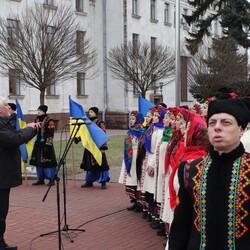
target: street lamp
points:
(161, 85)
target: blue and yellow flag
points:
(144, 105)
(92, 136)
(25, 149)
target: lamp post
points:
(161, 85)
(177, 53)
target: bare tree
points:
(141, 66)
(219, 66)
(44, 46)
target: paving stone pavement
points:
(101, 213)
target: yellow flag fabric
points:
(86, 140)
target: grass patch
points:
(74, 156)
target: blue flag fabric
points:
(92, 136)
(144, 105)
(20, 124)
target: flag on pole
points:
(144, 105)
(92, 136)
(25, 149)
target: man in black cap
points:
(214, 191)
(95, 172)
(43, 154)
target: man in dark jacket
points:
(10, 162)
(213, 213)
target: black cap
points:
(94, 109)
(232, 106)
(12, 106)
(44, 108)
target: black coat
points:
(225, 208)
(43, 154)
(10, 156)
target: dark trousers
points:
(4, 208)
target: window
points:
(12, 26)
(135, 7)
(135, 40)
(153, 43)
(184, 87)
(80, 83)
(80, 41)
(49, 2)
(14, 82)
(166, 13)
(216, 28)
(80, 5)
(185, 13)
(51, 89)
(50, 32)
(153, 9)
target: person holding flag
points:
(10, 164)
(95, 171)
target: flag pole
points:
(73, 165)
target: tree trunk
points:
(42, 94)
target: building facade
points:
(107, 24)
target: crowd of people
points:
(188, 172)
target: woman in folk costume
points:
(160, 161)
(152, 138)
(141, 160)
(175, 145)
(195, 146)
(128, 175)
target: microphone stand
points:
(57, 179)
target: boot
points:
(103, 185)
(87, 184)
(132, 207)
(5, 246)
(138, 207)
(38, 182)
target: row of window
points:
(15, 84)
(78, 3)
(167, 15)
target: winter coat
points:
(43, 154)
(10, 157)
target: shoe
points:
(5, 246)
(103, 185)
(132, 207)
(38, 182)
(87, 184)
(145, 215)
(149, 219)
(51, 183)
(155, 224)
(138, 207)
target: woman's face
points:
(167, 120)
(156, 118)
(132, 120)
(92, 113)
(204, 110)
(149, 117)
(178, 122)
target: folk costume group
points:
(188, 172)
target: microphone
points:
(80, 123)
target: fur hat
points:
(12, 106)
(44, 108)
(232, 106)
(94, 109)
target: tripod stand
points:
(57, 179)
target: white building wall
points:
(93, 21)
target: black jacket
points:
(218, 191)
(10, 157)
